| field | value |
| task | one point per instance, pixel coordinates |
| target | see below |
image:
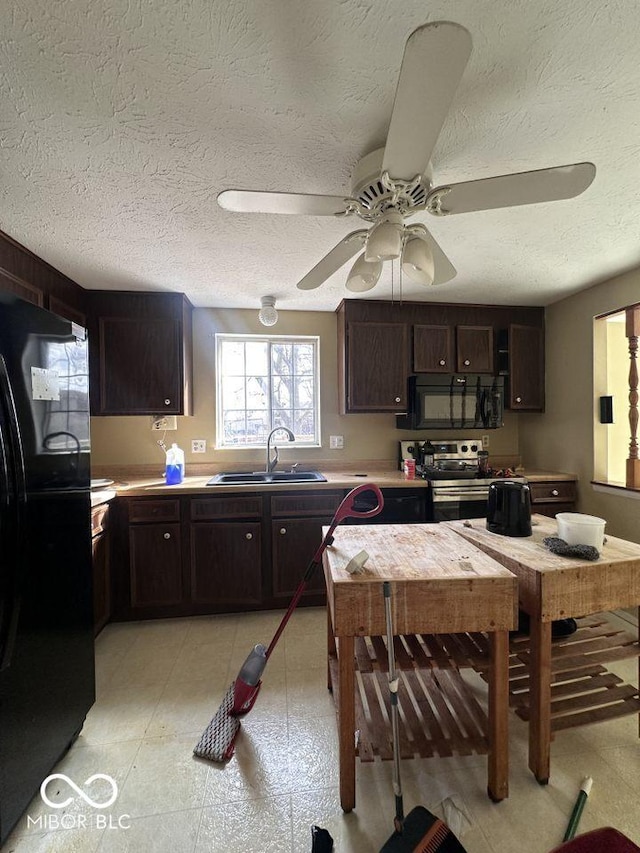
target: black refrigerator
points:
(47, 680)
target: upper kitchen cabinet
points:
(140, 348)
(524, 356)
(32, 279)
(374, 366)
(434, 350)
(380, 344)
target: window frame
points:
(220, 338)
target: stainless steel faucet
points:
(271, 463)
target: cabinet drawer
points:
(323, 503)
(562, 491)
(150, 510)
(204, 509)
(99, 519)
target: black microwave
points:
(436, 401)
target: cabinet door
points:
(226, 564)
(294, 541)
(433, 349)
(377, 367)
(139, 362)
(101, 582)
(156, 565)
(474, 349)
(526, 368)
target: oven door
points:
(451, 503)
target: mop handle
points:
(393, 697)
(345, 510)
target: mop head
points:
(218, 739)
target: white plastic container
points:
(579, 529)
(174, 468)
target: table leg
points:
(347, 723)
(331, 647)
(540, 700)
(498, 784)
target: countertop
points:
(133, 484)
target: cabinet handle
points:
(283, 530)
(167, 535)
(466, 362)
(248, 535)
(554, 493)
(518, 399)
(167, 402)
(442, 362)
(397, 399)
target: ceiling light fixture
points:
(417, 259)
(268, 315)
(384, 242)
(364, 275)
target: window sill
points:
(617, 489)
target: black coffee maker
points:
(509, 508)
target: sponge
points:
(563, 549)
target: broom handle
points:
(393, 697)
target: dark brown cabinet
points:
(380, 344)
(551, 496)
(474, 349)
(156, 583)
(140, 353)
(296, 533)
(100, 551)
(433, 350)
(376, 367)
(226, 553)
(525, 348)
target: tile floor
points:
(159, 684)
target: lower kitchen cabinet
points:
(551, 496)
(194, 555)
(226, 565)
(225, 553)
(101, 567)
(296, 533)
(156, 565)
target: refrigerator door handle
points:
(13, 493)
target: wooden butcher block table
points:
(563, 683)
(439, 585)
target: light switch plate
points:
(198, 445)
(336, 442)
(485, 442)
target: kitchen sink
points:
(238, 478)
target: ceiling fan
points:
(393, 183)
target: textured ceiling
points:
(121, 120)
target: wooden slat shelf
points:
(582, 689)
(439, 714)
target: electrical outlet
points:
(198, 445)
(485, 442)
(162, 422)
(336, 442)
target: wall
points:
(563, 438)
(130, 441)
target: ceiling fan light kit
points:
(363, 275)
(393, 183)
(417, 260)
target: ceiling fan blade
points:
(511, 190)
(339, 255)
(435, 57)
(248, 201)
(443, 269)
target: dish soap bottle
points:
(174, 467)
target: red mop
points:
(218, 740)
